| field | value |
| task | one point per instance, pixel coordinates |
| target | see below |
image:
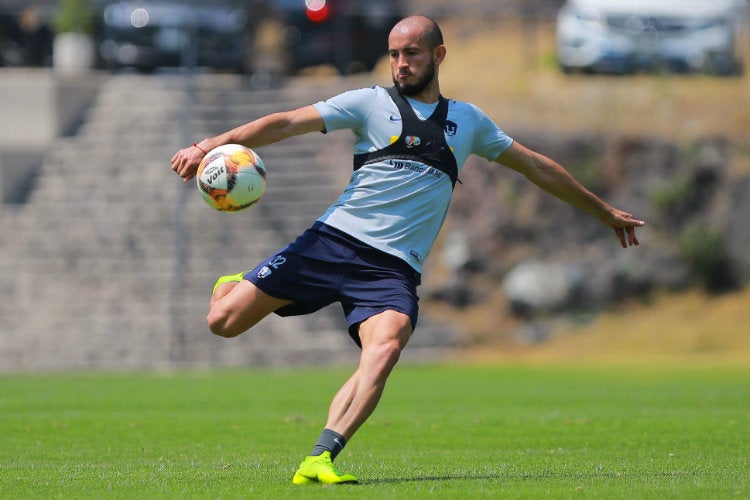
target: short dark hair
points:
(432, 34)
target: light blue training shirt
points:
(399, 206)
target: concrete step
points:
(111, 261)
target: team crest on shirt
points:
(451, 128)
(412, 140)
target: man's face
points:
(412, 63)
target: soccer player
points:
(367, 250)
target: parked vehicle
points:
(351, 35)
(148, 34)
(626, 36)
(25, 36)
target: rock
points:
(534, 286)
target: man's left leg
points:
(383, 337)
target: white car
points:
(626, 36)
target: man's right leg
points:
(237, 306)
(383, 337)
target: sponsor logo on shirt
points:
(412, 140)
(415, 167)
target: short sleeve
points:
(348, 110)
(490, 140)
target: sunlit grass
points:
(440, 432)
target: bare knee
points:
(220, 324)
(383, 338)
(236, 308)
(381, 358)
(389, 352)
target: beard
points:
(411, 89)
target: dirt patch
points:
(690, 327)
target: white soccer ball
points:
(231, 178)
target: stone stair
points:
(111, 261)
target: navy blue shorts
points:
(325, 265)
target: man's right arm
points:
(265, 130)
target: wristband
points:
(200, 149)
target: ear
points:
(439, 54)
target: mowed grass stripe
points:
(439, 432)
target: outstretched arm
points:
(266, 130)
(553, 178)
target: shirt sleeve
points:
(348, 110)
(490, 140)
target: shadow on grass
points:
(396, 480)
(523, 477)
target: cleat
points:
(320, 469)
(232, 278)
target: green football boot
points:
(320, 469)
(229, 279)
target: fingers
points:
(620, 232)
(629, 220)
(627, 236)
(182, 165)
(624, 225)
(178, 167)
(632, 239)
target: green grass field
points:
(440, 432)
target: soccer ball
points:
(231, 178)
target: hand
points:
(624, 225)
(185, 162)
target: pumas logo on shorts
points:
(274, 263)
(264, 272)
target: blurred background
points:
(107, 260)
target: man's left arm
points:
(553, 178)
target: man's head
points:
(415, 48)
